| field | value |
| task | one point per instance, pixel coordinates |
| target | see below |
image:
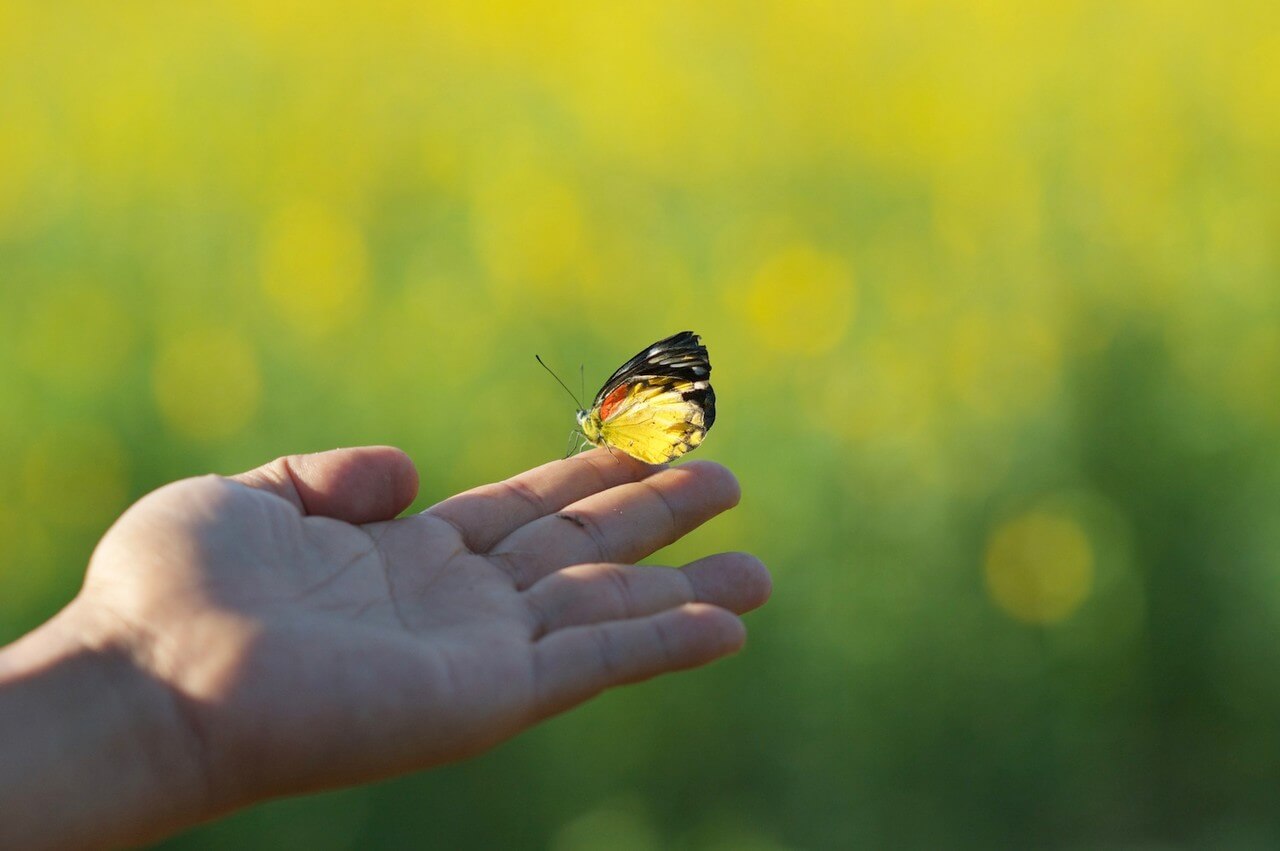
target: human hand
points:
(294, 636)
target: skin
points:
(279, 631)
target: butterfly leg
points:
(575, 443)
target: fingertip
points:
(736, 581)
(717, 478)
(724, 632)
(574, 663)
(760, 581)
(395, 478)
(400, 472)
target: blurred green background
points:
(991, 293)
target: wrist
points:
(96, 749)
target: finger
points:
(574, 664)
(487, 514)
(622, 524)
(358, 485)
(591, 593)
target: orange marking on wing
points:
(612, 401)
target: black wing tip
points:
(682, 355)
(705, 398)
(679, 340)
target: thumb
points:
(358, 485)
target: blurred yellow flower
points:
(314, 267)
(802, 300)
(206, 383)
(528, 228)
(1039, 567)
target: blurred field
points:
(992, 291)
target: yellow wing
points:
(656, 421)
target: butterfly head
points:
(589, 425)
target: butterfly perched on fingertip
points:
(657, 406)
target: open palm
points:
(311, 640)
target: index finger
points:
(489, 513)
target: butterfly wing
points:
(659, 404)
(680, 356)
(658, 420)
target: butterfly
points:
(657, 406)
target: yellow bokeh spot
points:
(314, 267)
(207, 384)
(802, 300)
(74, 476)
(79, 337)
(528, 228)
(1039, 567)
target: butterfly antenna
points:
(561, 383)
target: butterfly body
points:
(658, 405)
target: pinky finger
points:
(579, 662)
